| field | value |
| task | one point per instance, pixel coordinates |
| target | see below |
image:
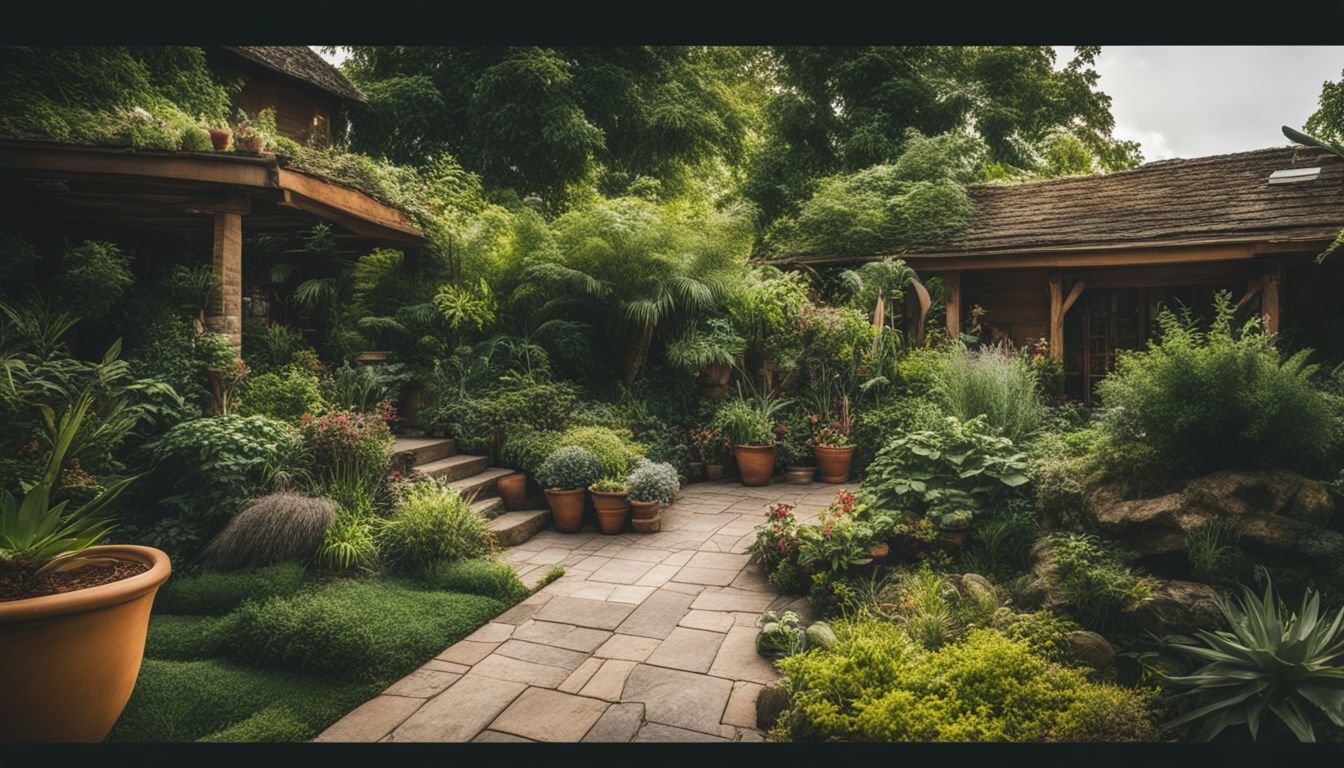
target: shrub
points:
(478, 576)
(1000, 546)
(212, 465)
(285, 395)
(198, 700)
(215, 594)
(652, 481)
(526, 449)
(990, 383)
(875, 684)
(568, 468)
(1221, 399)
(432, 524)
(350, 452)
(349, 544)
(93, 278)
(187, 637)
(540, 405)
(874, 427)
(743, 424)
(364, 630)
(277, 528)
(1099, 590)
(612, 452)
(946, 473)
(1213, 552)
(363, 387)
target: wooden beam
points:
(1074, 293)
(1253, 287)
(1269, 300)
(1056, 317)
(226, 316)
(318, 196)
(925, 302)
(952, 282)
(222, 169)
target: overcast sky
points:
(1188, 101)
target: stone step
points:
(411, 451)
(452, 468)
(481, 484)
(513, 528)
(489, 507)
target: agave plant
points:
(33, 531)
(1286, 663)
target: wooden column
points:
(226, 316)
(1269, 297)
(952, 282)
(1059, 306)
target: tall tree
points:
(1327, 122)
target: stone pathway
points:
(647, 637)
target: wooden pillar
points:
(952, 282)
(1056, 317)
(1269, 297)
(226, 316)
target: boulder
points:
(770, 704)
(1091, 649)
(1179, 607)
(1270, 507)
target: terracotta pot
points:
(800, 475)
(880, 553)
(219, 138)
(513, 490)
(69, 661)
(954, 536)
(695, 470)
(648, 525)
(714, 471)
(755, 463)
(252, 144)
(644, 510)
(612, 509)
(834, 463)
(566, 508)
(713, 380)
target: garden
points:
(614, 319)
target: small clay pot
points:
(880, 553)
(252, 144)
(954, 536)
(219, 138)
(648, 525)
(566, 508)
(613, 509)
(755, 463)
(714, 471)
(799, 475)
(834, 463)
(513, 490)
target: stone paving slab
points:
(647, 637)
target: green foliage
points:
(206, 468)
(873, 427)
(511, 403)
(361, 630)
(217, 593)
(766, 310)
(478, 576)
(184, 638)
(698, 348)
(1213, 551)
(526, 449)
(18, 265)
(1271, 660)
(271, 346)
(569, 467)
(198, 700)
(875, 684)
(277, 528)
(1201, 401)
(1099, 590)
(609, 485)
(990, 383)
(348, 449)
(285, 395)
(349, 545)
(613, 454)
(1000, 546)
(653, 481)
(432, 524)
(94, 276)
(363, 387)
(948, 474)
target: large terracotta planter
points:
(755, 463)
(713, 380)
(513, 490)
(833, 464)
(613, 509)
(566, 509)
(68, 662)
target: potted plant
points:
(611, 501)
(651, 485)
(710, 354)
(747, 423)
(254, 135)
(831, 445)
(73, 616)
(220, 138)
(563, 475)
(952, 512)
(513, 490)
(712, 448)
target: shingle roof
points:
(1222, 197)
(301, 63)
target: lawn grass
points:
(260, 655)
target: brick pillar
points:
(226, 316)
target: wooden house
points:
(1085, 262)
(308, 94)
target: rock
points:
(821, 635)
(1092, 649)
(979, 589)
(770, 703)
(1179, 607)
(1270, 507)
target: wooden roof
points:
(301, 63)
(1202, 201)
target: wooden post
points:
(1056, 317)
(226, 316)
(952, 282)
(1269, 297)
(922, 312)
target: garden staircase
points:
(438, 459)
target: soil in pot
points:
(566, 509)
(69, 659)
(714, 471)
(755, 463)
(613, 509)
(13, 587)
(513, 490)
(833, 464)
